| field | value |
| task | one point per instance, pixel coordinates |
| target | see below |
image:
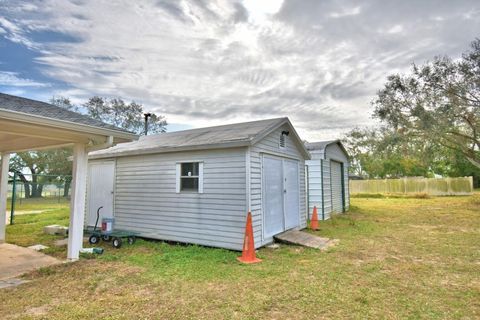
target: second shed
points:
(328, 178)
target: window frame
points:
(179, 177)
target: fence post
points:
(21, 193)
(14, 193)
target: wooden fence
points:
(430, 186)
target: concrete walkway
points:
(15, 260)
(305, 239)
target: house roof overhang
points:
(22, 132)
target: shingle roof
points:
(47, 110)
(238, 134)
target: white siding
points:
(335, 152)
(327, 187)
(346, 185)
(315, 187)
(322, 200)
(270, 145)
(146, 200)
(332, 152)
(337, 181)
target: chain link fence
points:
(36, 193)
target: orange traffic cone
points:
(314, 220)
(248, 253)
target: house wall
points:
(270, 145)
(146, 200)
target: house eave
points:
(67, 125)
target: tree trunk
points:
(26, 184)
(40, 190)
(66, 187)
(28, 192)
(36, 188)
(475, 162)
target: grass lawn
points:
(37, 204)
(397, 258)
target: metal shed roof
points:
(321, 145)
(230, 135)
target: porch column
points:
(77, 203)
(3, 193)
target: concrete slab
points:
(56, 229)
(305, 239)
(38, 247)
(61, 242)
(15, 260)
(12, 282)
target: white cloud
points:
(12, 79)
(213, 62)
(346, 12)
(395, 29)
(262, 10)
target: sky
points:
(202, 63)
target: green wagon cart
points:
(115, 236)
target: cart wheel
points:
(94, 239)
(117, 242)
(131, 240)
(106, 238)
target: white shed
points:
(328, 178)
(196, 186)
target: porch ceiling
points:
(17, 135)
(17, 142)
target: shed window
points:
(190, 176)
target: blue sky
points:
(205, 63)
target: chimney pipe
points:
(146, 115)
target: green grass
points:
(27, 229)
(36, 204)
(398, 258)
(391, 195)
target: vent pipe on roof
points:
(146, 115)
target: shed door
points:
(273, 193)
(281, 195)
(100, 191)
(337, 182)
(292, 194)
